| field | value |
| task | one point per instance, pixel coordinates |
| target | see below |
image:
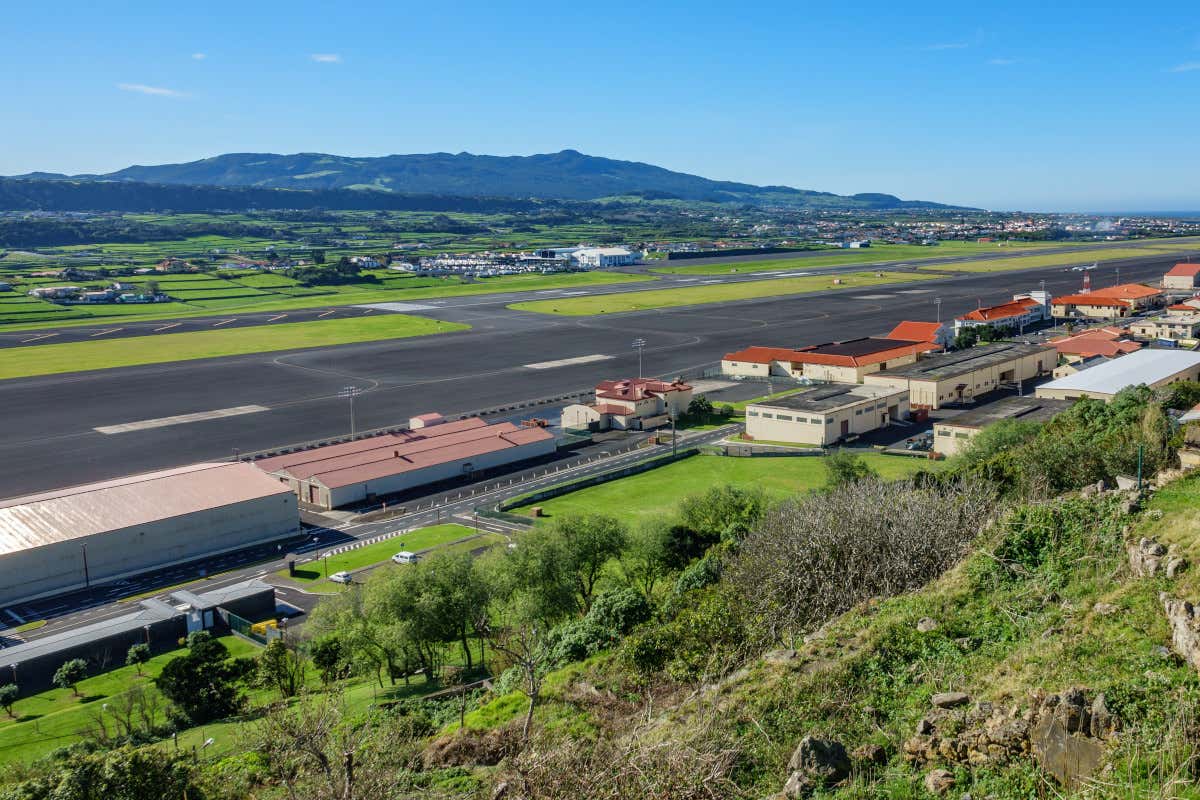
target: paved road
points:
(50, 422)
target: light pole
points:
(937, 301)
(639, 344)
(350, 392)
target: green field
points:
(660, 490)
(870, 255)
(49, 359)
(416, 541)
(201, 295)
(1078, 257)
(717, 293)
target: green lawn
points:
(48, 359)
(660, 490)
(292, 298)
(835, 258)
(1078, 257)
(414, 542)
(56, 717)
(716, 293)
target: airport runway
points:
(164, 415)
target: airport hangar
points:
(68, 539)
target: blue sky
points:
(1018, 105)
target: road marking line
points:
(394, 306)
(179, 419)
(224, 322)
(104, 333)
(327, 313)
(280, 316)
(572, 294)
(712, 281)
(36, 338)
(168, 327)
(566, 362)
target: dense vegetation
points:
(684, 657)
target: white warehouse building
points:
(600, 257)
(67, 539)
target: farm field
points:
(51, 359)
(871, 255)
(660, 490)
(698, 295)
(415, 541)
(201, 295)
(1079, 257)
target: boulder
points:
(939, 781)
(925, 625)
(1175, 566)
(1185, 630)
(1104, 609)
(871, 755)
(816, 763)
(949, 699)
(1145, 557)
(1069, 757)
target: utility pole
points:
(87, 579)
(937, 301)
(351, 392)
(639, 344)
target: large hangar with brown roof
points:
(340, 474)
(66, 539)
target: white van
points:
(404, 557)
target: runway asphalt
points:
(508, 356)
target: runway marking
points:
(368, 311)
(179, 419)
(713, 281)
(277, 316)
(168, 327)
(105, 333)
(914, 291)
(872, 297)
(567, 362)
(571, 294)
(36, 338)
(399, 307)
(224, 322)
(327, 313)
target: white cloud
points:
(1187, 66)
(199, 56)
(326, 58)
(1002, 62)
(142, 88)
(948, 46)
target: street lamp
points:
(639, 344)
(350, 392)
(937, 301)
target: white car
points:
(342, 577)
(405, 557)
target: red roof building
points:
(1107, 302)
(1107, 342)
(630, 404)
(1182, 276)
(931, 332)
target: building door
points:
(312, 494)
(845, 427)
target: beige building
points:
(1182, 276)
(951, 436)
(1173, 326)
(836, 362)
(826, 414)
(963, 375)
(630, 404)
(1108, 303)
(1153, 368)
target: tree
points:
(967, 337)
(330, 658)
(138, 655)
(204, 684)
(700, 407)
(648, 556)
(589, 542)
(281, 667)
(8, 697)
(723, 513)
(318, 256)
(843, 468)
(70, 674)
(125, 774)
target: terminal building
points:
(71, 538)
(964, 375)
(431, 451)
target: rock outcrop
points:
(1065, 732)
(1185, 628)
(815, 763)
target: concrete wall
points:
(1179, 282)
(747, 369)
(950, 440)
(344, 495)
(59, 567)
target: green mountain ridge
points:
(566, 175)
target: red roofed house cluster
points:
(1108, 342)
(1109, 302)
(1022, 310)
(630, 404)
(431, 450)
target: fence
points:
(243, 627)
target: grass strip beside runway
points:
(1077, 258)
(714, 293)
(51, 359)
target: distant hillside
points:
(567, 175)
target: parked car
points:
(405, 557)
(342, 577)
